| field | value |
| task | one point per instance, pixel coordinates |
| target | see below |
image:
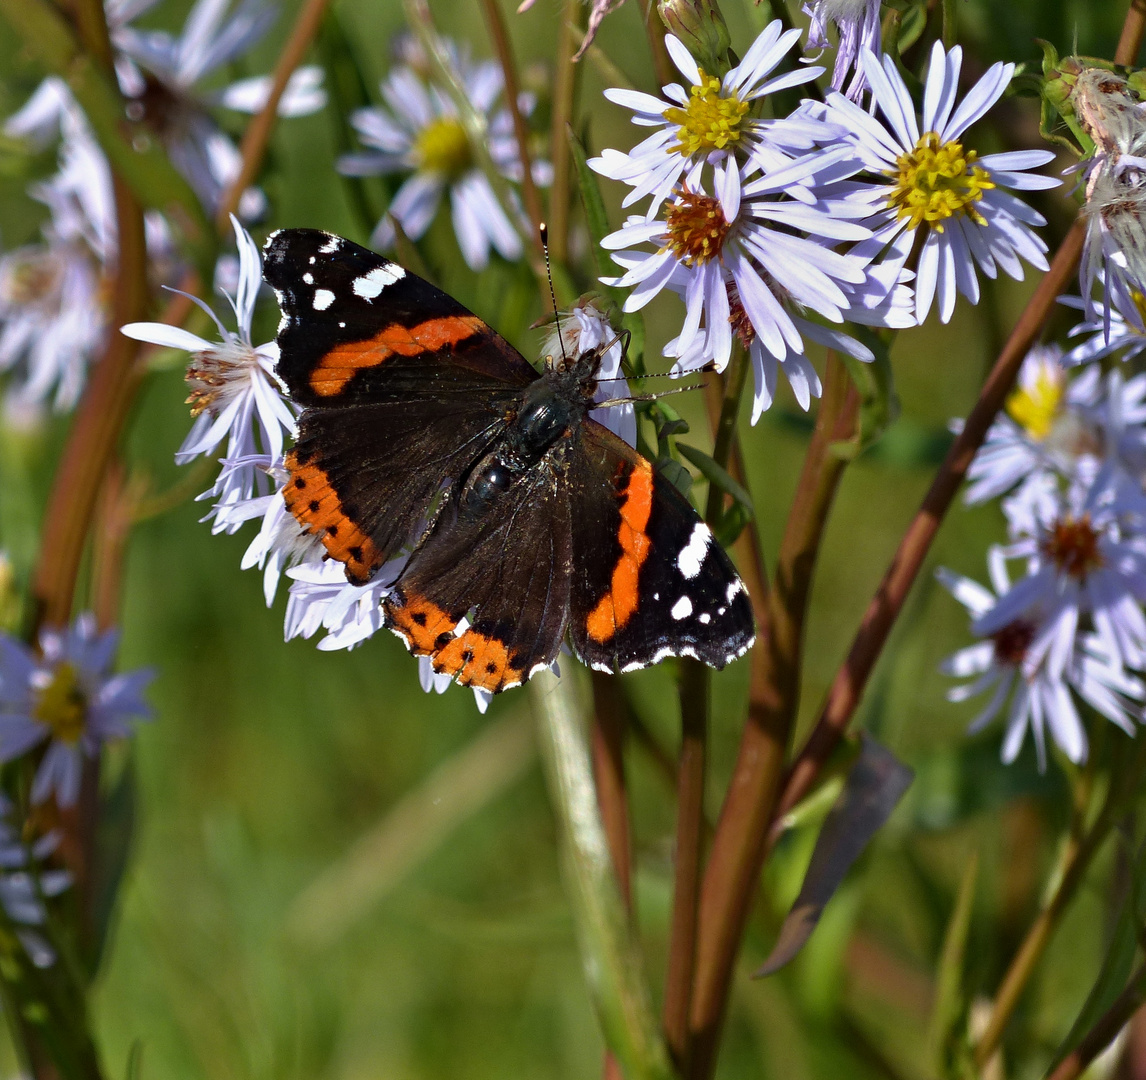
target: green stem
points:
(1079, 851)
(609, 952)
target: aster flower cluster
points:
(53, 294)
(773, 231)
(1067, 461)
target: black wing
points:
(505, 572)
(650, 580)
(404, 390)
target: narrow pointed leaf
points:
(874, 786)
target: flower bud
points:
(701, 27)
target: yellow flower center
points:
(1072, 545)
(709, 121)
(442, 146)
(1140, 304)
(696, 227)
(936, 181)
(1035, 408)
(62, 705)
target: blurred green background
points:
(336, 875)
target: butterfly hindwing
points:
(650, 580)
(487, 597)
(359, 329)
(366, 479)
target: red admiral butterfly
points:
(425, 431)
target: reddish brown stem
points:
(610, 723)
(258, 134)
(1105, 1030)
(694, 689)
(885, 606)
(504, 47)
(662, 63)
(738, 843)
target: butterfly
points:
(424, 433)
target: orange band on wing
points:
(339, 365)
(618, 604)
(420, 621)
(474, 659)
(316, 505)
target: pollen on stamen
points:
(216, 375)
(709, 121)
(937, 181)
(697, 227)
(1071, 544)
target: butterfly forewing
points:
(359, 329)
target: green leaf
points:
(731, 523)
(872, 790)
(1116, 965)
(135, 1061)
(911, 26)
(950, 1051)
(596, 219)
(879, 403)
(115, 828)
(716, 475)
(676, 474)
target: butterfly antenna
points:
(544, 230)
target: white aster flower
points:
(24, 886)
(1086, 563)
(707, 119)
(419, 132)
(1122, 332)
(1032, 696)
(235, 394)
(159, 74)
(52, 321)
(586, 327)
(858, 26)
(922, 177)
(740, 265)
(68, 698)
(1046, 423)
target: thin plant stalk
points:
(421, 23)
(663, 66)
(741, 832)
(257, 136)
(1106, 1030)
(694, 691)
(610, 724)
(610, 954)
(1080, 850)
(495, 21)
(565, 82)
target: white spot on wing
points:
(311, 260)
(323, 298)
(691, 557)
(682, 609)
(370, 285)
(734, 587)
(308, 278)
(705, 618)
(333, 243)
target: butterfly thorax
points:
(550, 409)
